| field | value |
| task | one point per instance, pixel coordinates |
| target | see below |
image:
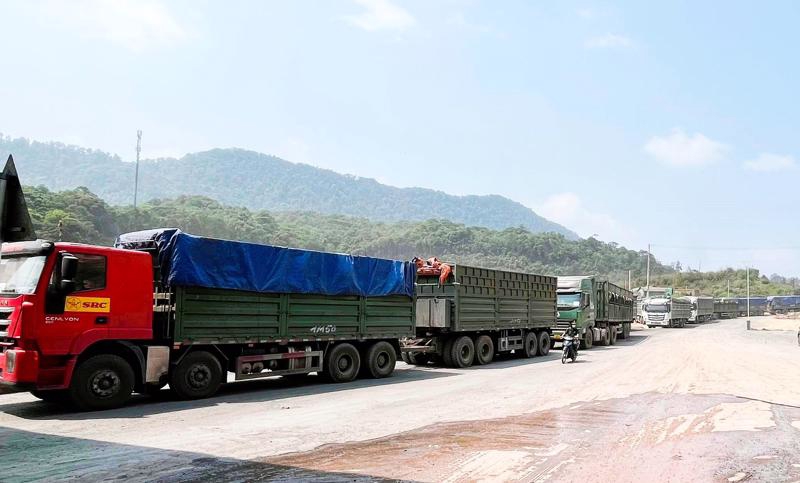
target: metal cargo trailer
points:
(726, 308)
(478, 312)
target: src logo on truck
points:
(87, 304)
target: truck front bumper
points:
(18, 369)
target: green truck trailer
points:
(264, 311)
(477, 313)
(726, 308)
(601, 310)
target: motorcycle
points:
(570, 350)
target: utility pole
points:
(729, 289)
(136, 177)
(647, 290)
(629, 280)
(748, 297)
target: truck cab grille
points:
(5, 314)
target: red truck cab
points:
(62, 304)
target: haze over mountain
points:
(258, 181)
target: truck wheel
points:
(626, 330)
(614, 335)
(198, 375)
(544, 343)
(605, 339)
(381, 359)
(104, 381)
(447, 358)
(404, 356)
(588, 339)
(530, 344)
(484, 350)
(342, 363)
(58, 396)
(462, 352)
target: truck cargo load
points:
(193, 261)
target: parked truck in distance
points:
(601, 310)
(90, 325)
(642, 293)
(666, 311)
(783, 304)
(702, 309)
(758, 305)
(726, 308)
(476, 313)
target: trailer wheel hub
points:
(382, 360)
(105, 383)
(198, 376)
(344, 363)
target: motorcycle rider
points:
(573, 332)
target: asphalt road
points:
(706, 403)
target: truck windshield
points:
(19, 275)
(570, 300)
(657, 307)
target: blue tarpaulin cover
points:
(188, 260)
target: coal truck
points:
(90, 325)
(601, 310)
(469, 314)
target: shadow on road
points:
(263, 390)
(29, 456)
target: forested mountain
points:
(257, 181)
(85, 217)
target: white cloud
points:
(771, 162)
(135, 25)
(381, 15)
(608, 41)
(568, 209)
(681, 149)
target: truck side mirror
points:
(584, 300)
(68, 268)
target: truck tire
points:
(103, 381)
(198, 375)
(462, 352)
(626, 330)
(57, 396)
(614, 335)
(447, 360)
(380, 360)
(405, 357)
(342, 363)
(530, 344)
(484, 350)
(588, 339)
(605, 339)
(544, 343)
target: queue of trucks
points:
(90, 325)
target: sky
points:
(672, 124)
